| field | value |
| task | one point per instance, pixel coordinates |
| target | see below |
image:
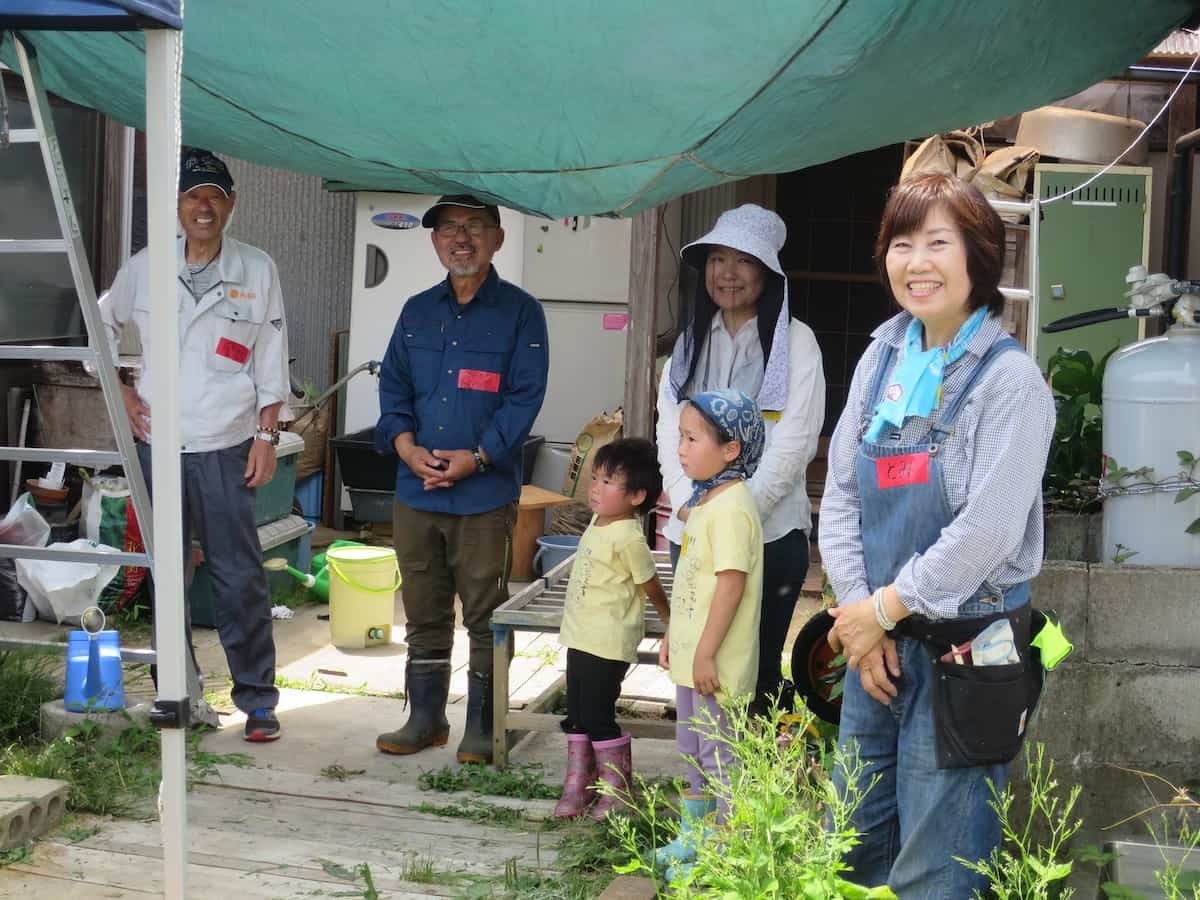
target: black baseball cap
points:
(429, 220)
(200, 167)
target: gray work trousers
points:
(218, 509)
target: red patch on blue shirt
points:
(897, 471)
(478, 380)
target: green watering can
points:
(317, 581)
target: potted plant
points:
(1073, 469)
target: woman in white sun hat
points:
(737, 332)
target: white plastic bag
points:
(61, 591)
(24, 525)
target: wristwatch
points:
(480, 465)
(270, 435)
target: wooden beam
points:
(640, 341)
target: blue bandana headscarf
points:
(737, 416)
(916, 383)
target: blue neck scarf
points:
(735, 415)
(915, 387)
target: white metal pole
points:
(1035, 275)
(128, 139)
(163, 60)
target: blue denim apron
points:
(917, 817)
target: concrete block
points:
(29, 807)
(1063, 587)
(1058, 722)
(1140, 716)
(627, 887)
(1144, 615)
(1071, 536)
(57, 720)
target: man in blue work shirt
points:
(462, 382)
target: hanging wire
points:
(1149, 125)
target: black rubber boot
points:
(426, 687)
(476, 745)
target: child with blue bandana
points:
(711, 649)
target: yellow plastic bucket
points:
(362, 595)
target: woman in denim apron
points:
(931, 517)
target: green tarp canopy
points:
(585, 107)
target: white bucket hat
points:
(761, 233)
(750, 229)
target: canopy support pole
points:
(164, 48)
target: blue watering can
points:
(95, 681)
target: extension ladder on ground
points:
(97, 352)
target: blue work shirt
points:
(460, 377)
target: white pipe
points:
(1034, 250)
(128, 138)
(163, 50)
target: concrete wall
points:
(1129, 696)
(310, 234)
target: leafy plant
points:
(1076, 451)
(1032, 863)
(27, 680)
(525, 782)
(788, 827)
(1184, 483)
(479, 811)
(1175, 833)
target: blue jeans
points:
(918, 817)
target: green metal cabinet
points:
(1088, 242)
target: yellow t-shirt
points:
(604, 613)
(724, 533)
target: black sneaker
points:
(261, 725)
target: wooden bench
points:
(539, 607)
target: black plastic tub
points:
(365, 469)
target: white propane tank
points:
(1152, 411)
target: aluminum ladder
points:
(97, 352)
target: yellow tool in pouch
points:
(1051, 642)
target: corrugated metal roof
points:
(1178, 43)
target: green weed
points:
(525, 782)
(1032, 863)
(338, 772)
(315, 682)
(479, 811)
(788, 827)
(27, 680)
(16, 856)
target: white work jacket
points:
(233, 357)
(779, 485)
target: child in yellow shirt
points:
(604, 621)
(712, 646)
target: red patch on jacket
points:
(897, 471)
(239, 353)
(478, 380)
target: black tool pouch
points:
(980, 713)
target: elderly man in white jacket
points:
(233, 386)
(739, 333)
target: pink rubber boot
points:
(614, 764)
(577, 793)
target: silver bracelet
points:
(880, 614)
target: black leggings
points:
(593, 686)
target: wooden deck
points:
(257, 833)
(539, 608)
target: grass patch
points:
(27, 680)
(478, 811)
(361, 872)
(525, 782)
(338, 772)
(17, 856)
(315, 682)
